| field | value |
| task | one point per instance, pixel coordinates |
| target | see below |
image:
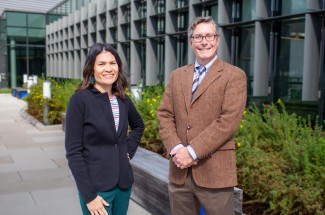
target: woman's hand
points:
(96, 206)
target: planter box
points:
(150, 188)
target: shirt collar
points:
(208, 65)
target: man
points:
(201, 109)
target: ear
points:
(218, 40)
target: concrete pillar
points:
(311, 60)
(151, 63)
(13, 70)
(313, 5)
(190, 54)
(224, 13)
(135, 65)
(261, 9)
(261, 62)
(170, 57)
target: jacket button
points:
(188, 127)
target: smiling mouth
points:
(205, 48)
(108, 75)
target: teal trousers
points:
(117, 198)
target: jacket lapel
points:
(213, 73)
(187, 84)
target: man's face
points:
(206, 49)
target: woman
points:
(98, 144)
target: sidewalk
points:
(34, 176)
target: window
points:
(161, 59)
(288, 77)
(16, 19)
(248, 10)
(36, 20)
(246, 54)
(36, 32)
(12, 31)
(293, 6)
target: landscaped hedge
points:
(5, 90)
(280, 156)
(61, 92)
(281, 161)
(147, 107)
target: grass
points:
(5, 90)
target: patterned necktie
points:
(201, 70)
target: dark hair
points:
(199, 20)
(119, 85)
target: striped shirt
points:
(115, 110)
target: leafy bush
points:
(60, 95)
(281, 161)
(147, 107)
(5, 90)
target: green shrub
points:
(281, 161)
(61, 92)
(5, 90)
(147, 106)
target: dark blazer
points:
(96, 153)
(208, 122)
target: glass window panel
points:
(19, 40)
(36, 61)
(16, 19)
(248, 10)
(181, 50)
(161, 25)
(36, 32)
(39, 41)
(12, 31)
(182, 21)
(36, 20)
(161, 59)
(214, 12)
(3, 25)
(21, 63)
(293, 6)
(288, 78)
(246, 54)
(142, 50)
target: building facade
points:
(278, 43)
(22, 46)
(22, 39)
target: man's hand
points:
(96, 206)
(182, 158)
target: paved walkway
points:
(34, 176)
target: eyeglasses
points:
(209, 37)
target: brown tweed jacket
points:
(208, 122)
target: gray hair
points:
(199, 20)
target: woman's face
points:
(105, 71)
